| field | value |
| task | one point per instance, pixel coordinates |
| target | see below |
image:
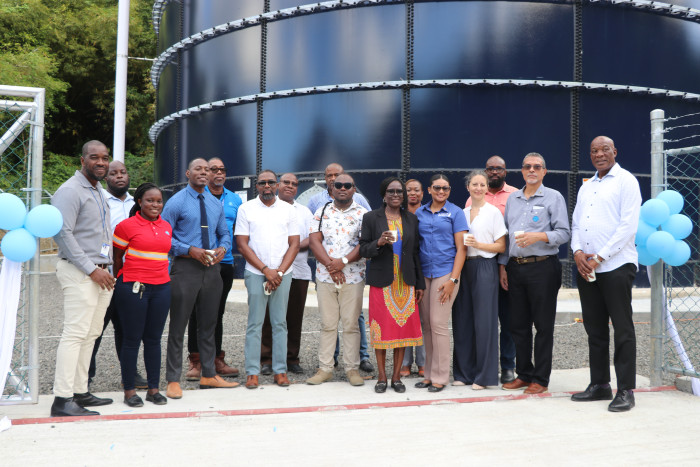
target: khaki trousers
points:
(344, 305)
(434, 318)
(84, 307)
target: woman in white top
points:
(475, 310)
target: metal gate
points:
(21, 155)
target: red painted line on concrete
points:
(317, 408)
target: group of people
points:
(495, 260)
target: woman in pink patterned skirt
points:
(390, 240)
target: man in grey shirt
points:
(537, 222)
(85, 253)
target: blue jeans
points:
(408, 356)
(257, 303)
(142, 317)
(363, 340)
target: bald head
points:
(332, 172)
(117, 179)
(496, 173)
(93, 146)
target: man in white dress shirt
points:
(604, 225)
(267, 236)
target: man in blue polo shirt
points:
(230, 201)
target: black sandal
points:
(380, 387)
(398, 386)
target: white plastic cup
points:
(591, 276)
(266, 291)
(518, 233)
(394, 236)
(468, 236)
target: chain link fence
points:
(681, 167)
(21, 154)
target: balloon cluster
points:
(19, 244)
(667, 243)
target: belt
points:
(101, 265)
(529, 259)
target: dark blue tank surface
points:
(418, 131)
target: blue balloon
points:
(44, 221)
(646, 258)
(13, 212)
(673, 199)
(679, 255)
(660, 243)
(643, 232)
(655, 212)
(18, 245)
(678, 225)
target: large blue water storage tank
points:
(413, 87)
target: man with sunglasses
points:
(267, 234)
(340, 278)
(198, 228)
(301, 275)
(538, 223)
(497, 195)
(230, 202)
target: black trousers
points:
(609, 298)
(227, 278)
(532, 291)
(192, 283)
(295, 315)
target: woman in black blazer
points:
(390, 240)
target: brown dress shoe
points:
(515, 385)
(174, 391)
(405, 371)
(252, 382)
(216, 382)
(194, 372)
(222, 368)
(535, 388)
(281, 380)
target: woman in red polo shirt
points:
(142, 291)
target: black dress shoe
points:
(624, 401)
(157, 398)
(133, 401)
(398, 386)
(295, 368)
(89, 400)
(507, 375)
(266, 369)
(436, 388)
(140, 382)
(366, 366)
(594, 392)
(66, 407)
(380, 387)
(423, 384)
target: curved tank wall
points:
(412, 87)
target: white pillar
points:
(120, 81)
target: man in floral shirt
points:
(340, 278)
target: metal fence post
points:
(656, 275)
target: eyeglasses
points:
(346, 185)
(536, 167)
(394, 191)
(495, 169)
(217, 169)
(289, 182)
(266, 183)
(441, 188)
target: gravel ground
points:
(570, 348)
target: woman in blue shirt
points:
(442, 226)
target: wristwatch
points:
(280, 273)
(595, 258)
(455, 281)
(344, 259)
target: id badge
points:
(104, 251)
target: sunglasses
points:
(394, 191)
(289, 182)
(537, 167)
(495, 169)
(346, 185)
(266, 183)
(441, 188)
(217, 169)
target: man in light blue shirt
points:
(538, 223)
